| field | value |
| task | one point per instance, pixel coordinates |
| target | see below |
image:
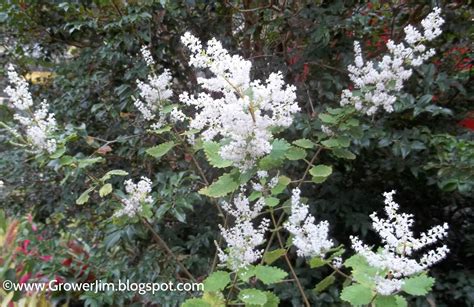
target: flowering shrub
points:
(202, 167)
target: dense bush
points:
(65, 198)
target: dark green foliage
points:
(92, 47)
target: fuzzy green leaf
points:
(211, 149)
(304, 143)
(217, 281)
(418, 285)
(357, 295)
(269, 275)
(253, 297)
(221, 187)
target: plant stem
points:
(165, 246)
(288, 262)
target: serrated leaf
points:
(304, 143)
(418, 285)
(253, 297)
(214, 299)
(221, 187)
(337, 142)
(246, 273)
(357, 295)
(272, 256)
(114, 172)
(84, 196)
(211, 149)
(361, 271)
(271, 201)
(295, 153)
(217, 281)
(272, 301)
(320, 172)
(160, 150)
(323, 284)
(269, 275)
(390, 301)
(105, 190)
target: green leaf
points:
(214, 299)
(58, 153)
(254, 195)
(343, 153)
(88, 162)
(269, 275)
(283, 181)
(221, 187)
(66, 160)
(295, 153)
(418, 285)
(362, 272)
(114, 172)
(317, 262)
(271, 201)
(253, 297)
(390, 301)
(337, 142)
(195, 302)
(211, 149)
(320, 172)
(84, 196)
(328, 119)
(216, 281)
(357, 295)
(105, 190)
(272, 256)
(160, 150)
(276, 156)
(304, 143)
(272, 300)
(246, 273)
(323, 284)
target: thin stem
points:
(165, 246)
(231, 288)
(300, 182)
(288, 262)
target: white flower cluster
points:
(396, 234)
(154, 92)
(38, 124)
(243, 238)
(241, 111)
(138, 194)
(376, 84)
(311, 239)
